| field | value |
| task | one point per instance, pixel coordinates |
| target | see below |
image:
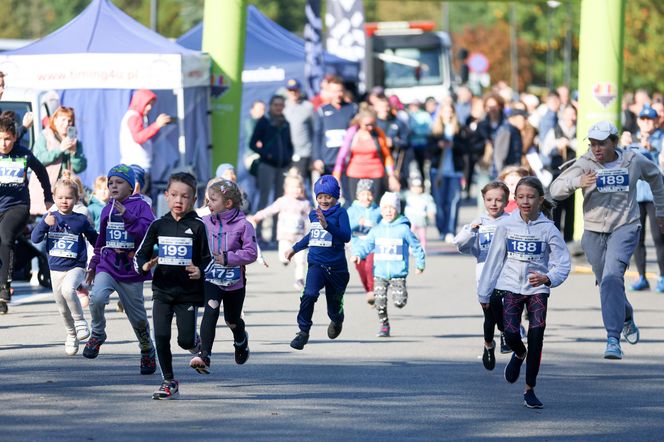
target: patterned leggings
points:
(512, 309)
(383, 288)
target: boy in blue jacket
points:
(330, 231)
(390, 241)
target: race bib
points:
(334, 138)
(612, 180)
(175, 251)
(319, 237)
(486, 236)
(388, 249)
(223, 276)
(291, 222)
(63, 244)
(117, 236)
(12, 170)
(524, 247)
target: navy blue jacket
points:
(327, 246)
(330, 127)
(60, 247)
(276, 145)
(14, 178)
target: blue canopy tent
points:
(272, 55)
(95, 62)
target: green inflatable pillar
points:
(600, 73)
(224, 30)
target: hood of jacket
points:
(397, 221)
(141, 99)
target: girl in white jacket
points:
(526, 258)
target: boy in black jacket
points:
(177, 284)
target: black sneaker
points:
(504, 348)
(168, 390)
(6, 293)
(531, 401)
(242, 350)
(489, 357)
(3, 307)
(513, 369)
(300, 340)
(91, 349)
(334, 329)
(201, 364)
(148, 362)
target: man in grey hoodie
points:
(608, 175)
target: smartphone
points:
(72, 133)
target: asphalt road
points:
(426, 382)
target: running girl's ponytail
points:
(535, 183)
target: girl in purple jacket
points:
(232, 241)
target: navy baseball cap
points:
(648, 112)
(293, 85)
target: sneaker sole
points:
(612, 357)
(297, 348)
(532, 407)
(159, 397)
(200, 369)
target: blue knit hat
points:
(139, 173)
(223, 168)
(125, 172)
(327, 184)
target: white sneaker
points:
(449, 238)
(82, 330)
(71, 345)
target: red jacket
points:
(138, 103)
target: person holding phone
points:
(135, 144)
(59, 149)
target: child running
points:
(390, 241)
(232, 240)
(526, 258)
(475, 239)
(124, 221)
(608, 177)
(364, 214)
(65, 232)
(420, 209)
(177, 284)
(293, 209)
(330, 231)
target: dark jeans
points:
(162, 317)
(647, 211)
(233, 300)
(447, 195)
(334, 280)
(536, 305)
(12, 222)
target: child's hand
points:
(321, 218)
(475, 226)
(485, 305)
(537, 279)
(290, 252)
(119, 208)
(419, 271)
(90, 276)
(194, 272)
(219, 258)
(150, 264)
(49, 219)
(252, 220)
(588, 179)
(361, 221)
(355, 259)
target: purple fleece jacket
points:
(119, 263)
(233, 239)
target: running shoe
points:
(384, 331)
(504, 348)
(242, 350)
(334, 329)
(201, 364)
(660, 285)
(71, 345)
(641, 284)
(3, 307)
(631, 332)
(530, 400)
(91, 349)
(299, 285)
(489, 356)
(513, 368)
(613, 350)
(300, 340)
(168, 390)
(82, 330)
(148, 362)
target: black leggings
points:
(513, 307)
(493, 316)
(12, 222)
(233, 301)
(162, 317)
(647, 210)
